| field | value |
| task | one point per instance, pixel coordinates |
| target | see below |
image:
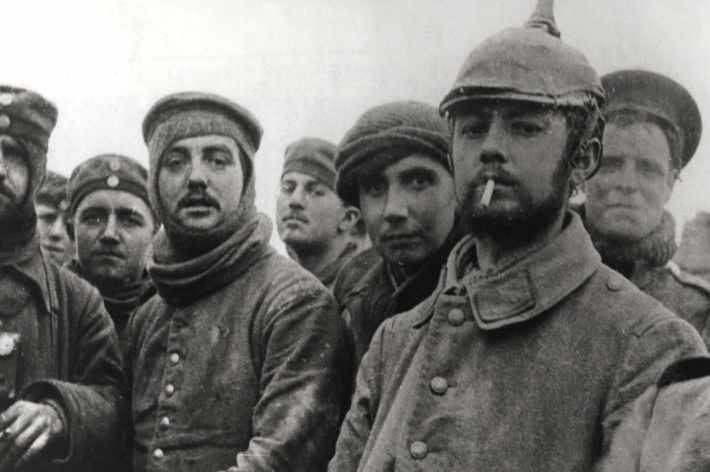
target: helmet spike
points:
(544, 18)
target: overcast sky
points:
(311, 67)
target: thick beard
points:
(20, 222)
(516, 227)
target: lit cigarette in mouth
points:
(488, 193)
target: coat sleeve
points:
(632, 400)
(91, 398)
(304, 373)
(356, 428)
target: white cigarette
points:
(488, 193)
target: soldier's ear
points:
(349, 218)
(586, 160)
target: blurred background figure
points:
(652, 131)
(313, 222)
(51, 205)
(693, 256)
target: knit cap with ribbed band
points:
(311, 156)
(385, 134)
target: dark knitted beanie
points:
(53, 191)
(312, 156)
(385, 134)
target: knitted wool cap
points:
(529, 64)
(312, 156)
(29, 118)
(191, 114)
(661, 97)
(53, 191)
(107, 172)
(385, 134)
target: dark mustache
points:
(197, 199)
(500, 176)
(295, 216)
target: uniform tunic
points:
(527, 368)
(68, 354)
(251, 373)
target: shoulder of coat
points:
(685, 369)
(687, 278)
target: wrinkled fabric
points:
(329, 273)
(69, 355)
(370, 292)
(668, 428)
(120, 301)
(693, 254)
(647, 263)
(530, 368)
(251, 373)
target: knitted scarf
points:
(120, 299)
(653, 250)
(180, 282)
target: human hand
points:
(26, 429)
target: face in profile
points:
(308, 212)
(409, 208)
(113, 230)
(626, 198)
(200, 181)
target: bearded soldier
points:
(530, 352)
(60, 369)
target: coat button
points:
(439, 385)
(170, 389)
(158, 454)
(418, 450)
(4, 121)
(164, 421)
(174, 357)
(456, 317)
(614, 283)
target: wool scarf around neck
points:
(181, 282)
(653, 250)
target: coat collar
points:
(522, 289)
(30, 266)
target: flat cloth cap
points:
(659, 96)
(107, 172)
(314, 157)
(26, 115)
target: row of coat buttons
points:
(169, 390)
(438, 385)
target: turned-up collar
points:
(29, 265)
(525, 288)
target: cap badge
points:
(112, 181)
(6, 99)
(114, 165)
(8, 343)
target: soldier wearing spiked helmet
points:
(530, 352)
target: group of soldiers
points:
(448, 303)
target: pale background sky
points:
(311, 67)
